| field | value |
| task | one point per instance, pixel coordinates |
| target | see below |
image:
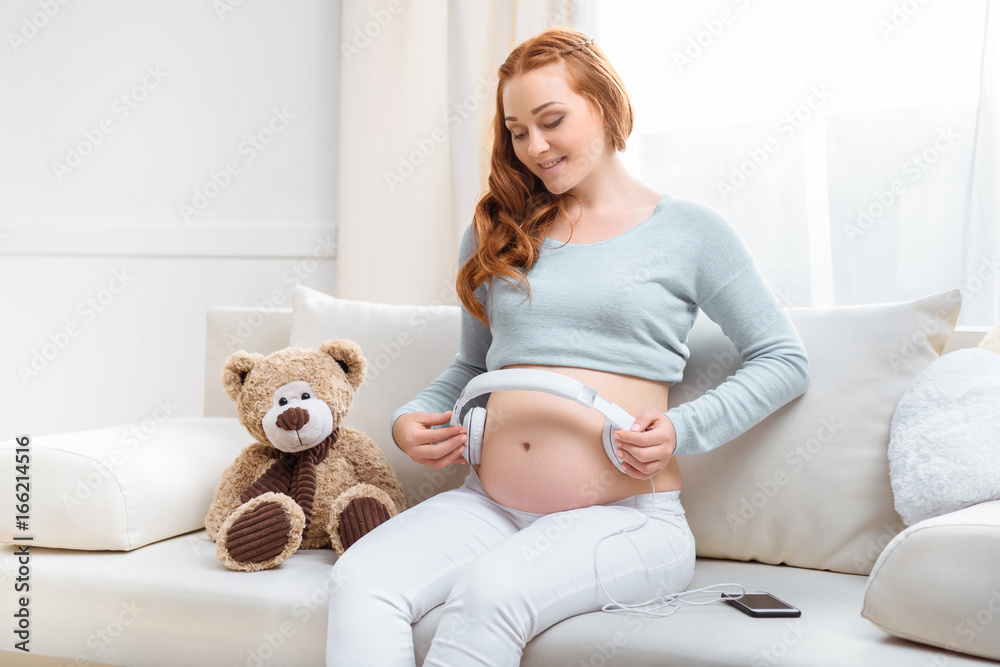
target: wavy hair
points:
(513, 216)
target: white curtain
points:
(853, 144)
(417, 91)
(982, 223)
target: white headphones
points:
(534, 380)
(565, 386)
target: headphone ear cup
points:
(475, 424)
(609, 445)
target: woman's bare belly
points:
(544, 453)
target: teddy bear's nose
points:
(293, 419)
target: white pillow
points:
(938, 583)
(944, 444)
(406, 347)
(121, 487)
(809, 486)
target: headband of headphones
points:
(532, 379)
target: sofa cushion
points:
(172, 603)
(809, 486)
(122, 487)
(938, 582)
(944, 442)
(406, 348)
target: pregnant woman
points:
(573, 266)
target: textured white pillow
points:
(938, 583)
(121, 487)
(809, 486)
(944, 444)
(406, 347)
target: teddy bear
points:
(308, 481)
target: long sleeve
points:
(633, 318)
(775, 367)
(470, 360)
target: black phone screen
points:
(762, 604)
(763, 601)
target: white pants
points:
(503, 575)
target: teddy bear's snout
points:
(293, 419)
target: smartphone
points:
(761, 605)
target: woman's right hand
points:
(432, 447)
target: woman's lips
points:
(551, 164)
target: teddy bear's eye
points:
(306, 397)
(282, 401)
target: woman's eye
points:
(549, 126)
(306, 397)
(282, 401)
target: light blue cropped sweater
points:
(626, 305)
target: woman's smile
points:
(548, 166)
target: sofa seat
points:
(193, 611)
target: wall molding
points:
(202, 239)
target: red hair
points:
(512, 218)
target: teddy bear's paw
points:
(359, 517)
(357, 511)
(261, 533)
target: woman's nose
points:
(537, 145)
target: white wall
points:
(158, 158)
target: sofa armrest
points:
(938, 583)
(121, 487)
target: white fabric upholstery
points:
(809, 486)
(938, 582)
(944, 443)
(122, 487)
(172, 603)
(406, 348)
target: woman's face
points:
(556, 133)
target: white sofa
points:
(121, 573)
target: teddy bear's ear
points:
(348, 355)
(235, 371)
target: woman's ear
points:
(235, 372)
(347, 354)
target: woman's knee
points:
(487, 590)
(363, 574)
(350, 575)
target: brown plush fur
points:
(354, 466)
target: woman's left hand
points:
(646, 449)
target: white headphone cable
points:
(672, 601)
